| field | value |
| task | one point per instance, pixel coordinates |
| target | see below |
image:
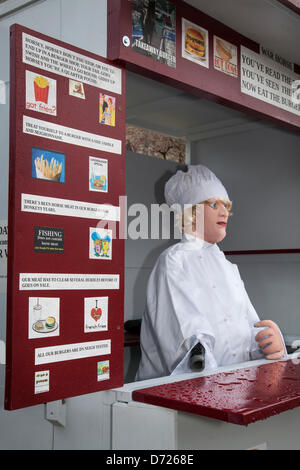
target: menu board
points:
(65, 286)
(170, 41)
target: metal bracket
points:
(56, 412)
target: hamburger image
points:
(195, 42)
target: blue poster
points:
(48, 165)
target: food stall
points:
(235, 100)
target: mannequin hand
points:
(275, 348)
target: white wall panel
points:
(84, 24)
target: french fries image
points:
(41, 89)
(47, 171)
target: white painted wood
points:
(84, 24)
(9, 7)
(88, 422)
(137, 426)
(279, 432)
(56, 412)
(145, 427)
(24, 429)
(133, 429)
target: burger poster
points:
(225, 57)
(195, 43)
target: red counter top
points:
(240, 396)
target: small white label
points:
(126, 41)
(42, 381)
(2, 92)
(103, 371)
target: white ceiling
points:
(165, 109)
(168, 110)
(267, 22)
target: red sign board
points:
(170, 41)
(65, 261)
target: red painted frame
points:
(79, 376)
(207, 83)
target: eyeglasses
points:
(214, 205)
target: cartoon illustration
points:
(103, 370)
(95, 314)
(76, 89)
(43, 317)
(41, 89)
(41, 93)
(100, 244)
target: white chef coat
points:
(195, 294)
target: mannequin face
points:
(207, 220)
(216, 214)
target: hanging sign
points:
(67, 172)
(172, 42)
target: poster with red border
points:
(175, 43)
(65, 293)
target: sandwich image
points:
(195, 42)
(222, 50)
(38, 325)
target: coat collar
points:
(195, 243)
